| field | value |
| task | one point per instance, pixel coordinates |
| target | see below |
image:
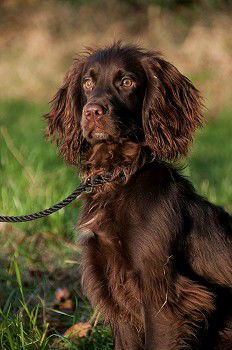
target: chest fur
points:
(108, 278)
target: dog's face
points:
(113, 90)
(124, 93)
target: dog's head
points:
(124, 93)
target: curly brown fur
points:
(156, 257)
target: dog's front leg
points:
(126, 337)
(157, 326)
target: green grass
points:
(39, 257)
(211, 162)
(32, 176)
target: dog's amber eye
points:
(88, 84)
(127, 82)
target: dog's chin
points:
(94, 137)
(100, 136)
(97, 136)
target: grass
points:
(39, 257)
(210, 161)
(33, 166)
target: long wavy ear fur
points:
(171, 109)
(65, 114)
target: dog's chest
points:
(101, 230)
(104, 219)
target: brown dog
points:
(157, 257)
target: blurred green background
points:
(38, 41)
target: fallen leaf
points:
(63, 300)
(79, 330)
(67, 305)
(61, 294)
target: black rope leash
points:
(84, 187)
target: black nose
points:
(93, 111)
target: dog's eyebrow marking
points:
(91, 73)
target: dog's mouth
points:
(94, 132)
(105, 129)
(98, 135)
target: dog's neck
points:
(120, 160)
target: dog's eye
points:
(88, 84)
(127, 83)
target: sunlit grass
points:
(32, 176)
(211, 161)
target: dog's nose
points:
(93, 111)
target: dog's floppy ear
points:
(171, 109)
(65, 115)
